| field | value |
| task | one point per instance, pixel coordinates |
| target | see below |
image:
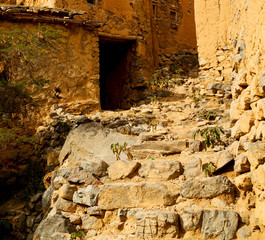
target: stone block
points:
(96, 167)
(91, 222)
(87, 196)
(255, 153)
(207, 187)
(122, 169)
(156, 224)
(242, 164)
(67, 191)
(190, 218)
(221, 224)
(64, 205)
(164, 170)
(193, 168)
(133, 195)
(243, 125)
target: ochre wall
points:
(231, 45)
(74, 70)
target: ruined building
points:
(113, 47)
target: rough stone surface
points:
(206, 187)
(46, 199)
(130, 195)
(78, 175)
(65, 205)
(154, 224)
(243, 125)
(190, 218)
(242, 164)
(97, 167)
(164, 170)
(243, 182)
(93, 135)
(91, 222)
(87, 196)
(193, 168)
(255, 153)
(67, 191)
(122, 169)
(52, 224)
(221, 224)
(153, 148)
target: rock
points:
(58, 182)
(260, 132)
(258, 109)
(53, 157)
(207, 187)
(243, 125)
(52, 224)
(156, 224)
(163, 170)
(75, 219)
(258, 178)
(36, 197)
(235, 113)
(122, 169)
(46, 199)
(137, 130)
(60, 236)
(262, 83)
(221, 59)
(96, 167)
(236, 62)
(193, 168)
(195, 146)
(242, 164)
(30, 221)
(95, 211)
(64, 205)
(190, 218)
(131, 195)
(214, 86)
(67, 191)
(255, 153)
(87, 196)
(244, 233)
(93, 135)
(149, 136)
(91, 223)
(243, 182)
(153, 148)
(221, 224)
(78, 175)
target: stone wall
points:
(230, 39)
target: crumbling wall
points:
(73, 71)
(230, 37)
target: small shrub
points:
(212, 135)
(78, 234)
(208, 169)
(117, 149)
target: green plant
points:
(208, 169)
(117, 149)
(211, 135)
(153, 125)
(78, 234)
(209, 115)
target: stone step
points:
(135, 195)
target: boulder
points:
(98, 139)
(133, 195)
(52, 224)
(91, 222)
(87, 196)
(156, 224)
(207, 187)
(122, 169)
(221, 224)
(164, 170)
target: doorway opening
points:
(116, 56)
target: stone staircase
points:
(163, 192)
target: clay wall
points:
(73, 73)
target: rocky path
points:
(166, 186)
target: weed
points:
(208, 169)
(210, 134)
(78, 234)
(117, 149)
(209, 115)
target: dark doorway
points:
(115, 61)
